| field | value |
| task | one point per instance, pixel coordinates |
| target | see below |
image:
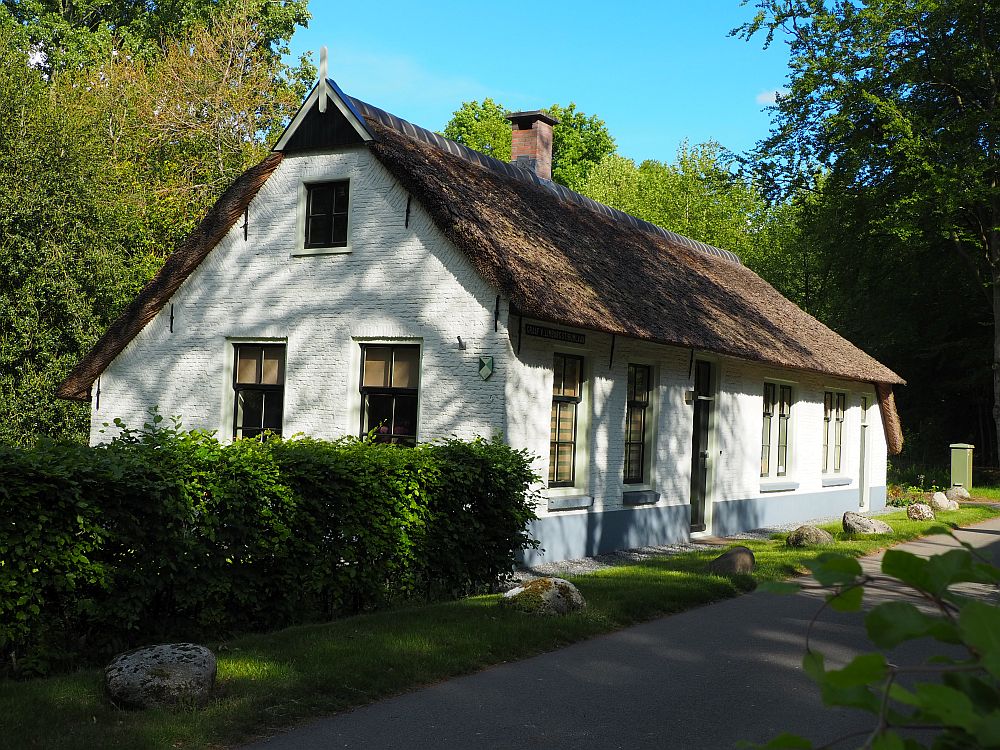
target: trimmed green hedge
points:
(165, 534)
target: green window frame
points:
(327, 214)
(390, 378)
(774, 452)
(834, 413)
(636, 418)
(567, 395)
(258, 390)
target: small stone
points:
(855, 523)
(956, 493)
(169, 674)
(940, 501)
(808, 536)
(545, 596)
(735, 561)
(919, 512)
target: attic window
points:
(326, 214)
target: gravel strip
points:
(586, 565)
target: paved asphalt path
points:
(703, 679)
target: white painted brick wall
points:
(738, 420)
(396, 282)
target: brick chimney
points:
(531, 141)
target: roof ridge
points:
(525, 175)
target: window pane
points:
(272, 411)
(571, 386)
(558, 370)
(319, 231)
(405, 416)
(321, 200)
(273, 368)
(378, 414)
(405, 367)
(567, 422)
(564, 463)
(246, 363)
(634, 428)
(641, 384)
(338, 236)
(552, 461)
(633, 462)
(376, 369)
(765, 450)
(786, 400)
(768, 399)
(340, 198)
(249, 409)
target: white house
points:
(371, 275)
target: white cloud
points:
(770, 96)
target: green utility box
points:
(961, 465)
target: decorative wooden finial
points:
(322, 79)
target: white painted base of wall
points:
(577, 535)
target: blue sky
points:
(657, 73)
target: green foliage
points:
(482, 126)
(164, 533)
(106, 163)
(954, 696)
(889, 124)
(579, 141)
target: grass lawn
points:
(985, 493)
(271, 681)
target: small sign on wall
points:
(555, 334)
(485, 367)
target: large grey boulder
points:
(808, 536)
(940, 501)
(545, 596)
(170, 674)
(855, 523)
(957, 493)
(919, 512)
(735, 561)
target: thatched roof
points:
(564, 263)
(557, 257)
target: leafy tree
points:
(482, 126)
(71, 34)
(896, 104)
(104, 166)
(579, 141)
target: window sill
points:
(320, 251)
(778, 486)
(837, 481)
(570, 502)
(640, 497)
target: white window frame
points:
(830, 433)
(225, 431)
(581, 475)
(302, 201)
(772, 474)
(652, 422)
(354, 399)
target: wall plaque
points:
(555, 334)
